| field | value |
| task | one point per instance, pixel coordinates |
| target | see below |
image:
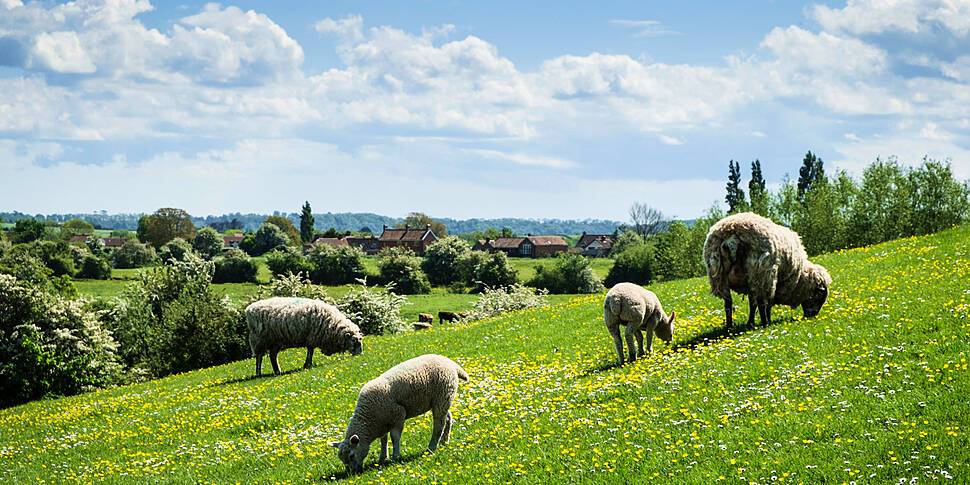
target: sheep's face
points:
(354, 344)
(813, 305)
(352, 453)
(665, 329)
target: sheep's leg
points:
(650, 341)
(396, 441)
(275, 361)
(613, 325)
(309, 358)
(639, 335)
(752, 309)
(447, 431)
(766, 313)
(383, 457)
(728, 308)
(441, 416)
(259, 365)
(630, 337)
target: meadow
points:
(873, 390)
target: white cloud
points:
(60, 52)
(522, 159)
(669, 140)
(911, 16)
(350, 29)
(645, 28)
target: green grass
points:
(874, 390)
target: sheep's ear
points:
(354, 440)
(335, 444)
(672, 316)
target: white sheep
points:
(751, 255)
(639, 309)
(409, 389)
(282, 323)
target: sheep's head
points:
(820, 281)
(352, 453)
(354, 343)
(665, 329)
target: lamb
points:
(281, 323)
(451, 316)
(752, 255)
(639, 309)
(409, 389)
(426, 318)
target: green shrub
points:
(441, 260)
(480, 270)
(636, 264)
(375, 310)
(56, 255)
(208, 243)
(267, 237)
(4, 245)
(400, 267)
(134, 254)
(286, 260)
(95, 268)
(175, 250)
(496, 301)
(235, 267)
(335, 266)
(170, 320)
(50, 345)
(571, 273)
(295, 285)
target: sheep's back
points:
(294, 322)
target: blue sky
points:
(463, 109)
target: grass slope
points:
(874, 390)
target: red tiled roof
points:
(113, 242)
(507, 242)
(78, 238)
(331, 241)
(548, 241)
(403, 234)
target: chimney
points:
(584, 233)
(385, 227)
(427, 226)
(406, 227)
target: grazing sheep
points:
(751, 255)
(409, 389)
(283, 323)
(426, 317)
(451, 316)
(639, 309)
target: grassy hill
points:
(874, 390)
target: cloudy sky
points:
(463, 109)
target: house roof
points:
(113, 242)
(79, 238)
(507, 242)
(406, 234)
(605, 239)
(331, 241)
(548, 241)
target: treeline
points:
(345, 221)
(888, 201)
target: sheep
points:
(426, 318)
(752, 255)
(408, 389)
(639, 309)
(281, 323)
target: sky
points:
(570, 110)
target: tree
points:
(441, 260)
(400, 267)
(27, 230)
(292, 235)
(482, 270)
(810, 173)
(570, 273)
(234, 267)
(757, 190)
(134, 254)
(76, 227)
(335, 266)
(623, 241)
(646, 220)
(306, 223)
(208, 243)
(419, 220)
(164, 225)
(269, 236)
(175, 250)
(735, 195)
(883, 204)
(673, 253)
(635, 264)
(332, 232)
(938, 200)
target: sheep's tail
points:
(461, 373)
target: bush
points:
(635, 264)
(169, 320)
(286, 260)
(4, 245)
(134, 254)
(266, 238)
(625, 240)
(50, 345)
(335, 266)
(481, 270)
(375, 310)
(400, 267)
(496, 301)
(294, 285)
(175, 250)
(95, 268)
(56, 255)
(208, 243)
(571, 273)
(441, 260)
(235, 267)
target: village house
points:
(415, 239)
(525, 247)
(595, 245)
(107, 242)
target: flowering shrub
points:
(375, 310)
(496, 301)
(292, 284)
